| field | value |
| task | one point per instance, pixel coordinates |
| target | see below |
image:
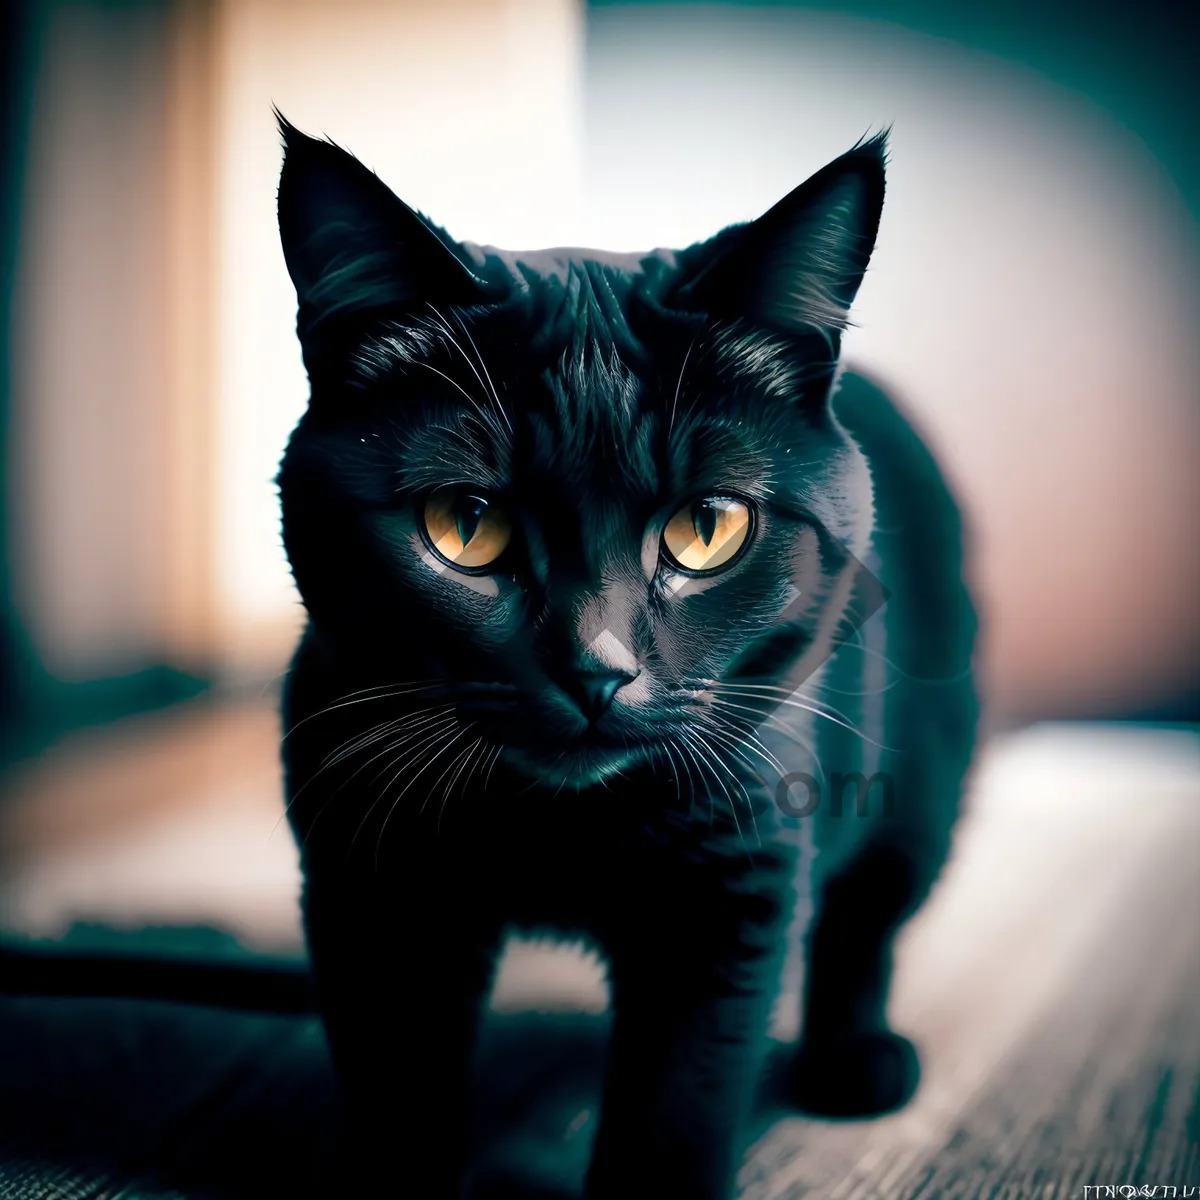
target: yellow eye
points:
(465, 528)
(707, 534)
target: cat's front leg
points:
(400, 980)
(692, 1007)
(850, 1063)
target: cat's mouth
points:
(549, 747)
(582, 765)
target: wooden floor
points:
(1053, 983)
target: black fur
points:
(445, 782)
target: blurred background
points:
(1034, 301)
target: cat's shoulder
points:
(921, 545)
(907, 474)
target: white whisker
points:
(406, 758)
(678, 385)
(495, 759)
(709, 758)
(387, 693)
(456, 765)
(449, 334)
(483, 367)
(816, 712)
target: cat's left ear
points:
(798, 267)
(351, 245)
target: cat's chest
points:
(584, 861)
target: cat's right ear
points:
(352, 247)
(798, 267)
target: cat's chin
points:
(576, 770)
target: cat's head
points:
(589, 501)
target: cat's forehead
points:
(575, 385)
(521, 270)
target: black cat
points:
(583, 541)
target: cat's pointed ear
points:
(352, 246)
(798, 267)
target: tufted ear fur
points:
(352, 247)
(798, 267)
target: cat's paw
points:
(857, 1075)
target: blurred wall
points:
(109, 465)
(89, 368)
(14, 106)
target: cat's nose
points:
(593, 691)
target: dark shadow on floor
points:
(219, 1104)
(182, 1099)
